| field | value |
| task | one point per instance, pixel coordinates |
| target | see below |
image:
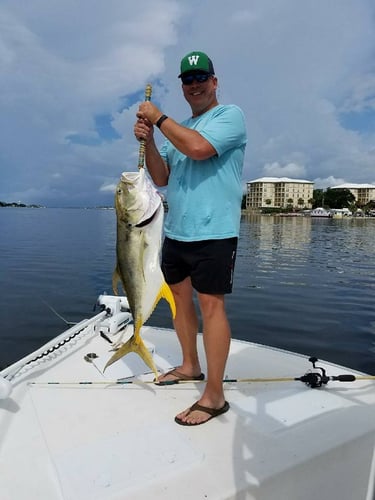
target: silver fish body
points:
(140, 214)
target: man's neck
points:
(200, 112)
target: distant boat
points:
(291, 214)
(339, 213)
(320, 212)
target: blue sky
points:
(72, 74)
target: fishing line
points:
(69, 323)
(90, 359)
(50, 347)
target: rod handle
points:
(142, 145)
(344, 378)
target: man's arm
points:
(187, 141)
(156, 166)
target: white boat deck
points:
(280, 440)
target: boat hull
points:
(69, 432)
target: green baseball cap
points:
(196, 61)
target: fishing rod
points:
(309, 379)
(313, 379)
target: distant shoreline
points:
(23, 205)
(3, 204)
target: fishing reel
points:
(315, 378)
(319, 377)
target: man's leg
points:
(186, 326)
(216, 337)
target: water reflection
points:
(307, 285)
(303, 284)
(278, 232)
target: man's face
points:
(201, 95)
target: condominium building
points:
(279, 192)
(363, 193)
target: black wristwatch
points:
(161, 120)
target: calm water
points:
(302, 284)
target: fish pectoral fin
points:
(115, 280)
(166, 293)
(134, 344)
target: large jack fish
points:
(140, 214)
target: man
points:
(201, 163)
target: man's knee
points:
(211, 304)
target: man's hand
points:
(143, 129)
(149, 111)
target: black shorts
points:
(209, 263)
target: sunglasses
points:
(198, 77)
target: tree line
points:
(339, 198)
(17, 205)
(329, 198)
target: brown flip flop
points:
(179, 377)
(213, 412)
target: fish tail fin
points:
(134, 344)
(166, 293)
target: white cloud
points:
(294, 67)
(110, 188)
(245, 16)
(292, 170)
(328, 182)
(362, 95)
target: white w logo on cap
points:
(193, 60)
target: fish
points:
(139, 221)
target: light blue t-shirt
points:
(204, 196)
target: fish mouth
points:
(128, 177)
(147, 221)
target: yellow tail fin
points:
(138, 346)
(135, 343)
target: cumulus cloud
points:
(72, 74)
(108, 188)
(292, 170)
(362, 96)
(328, 182)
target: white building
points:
(363, 193)
(279, 192)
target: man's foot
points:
(175, 376)
(198, 414)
